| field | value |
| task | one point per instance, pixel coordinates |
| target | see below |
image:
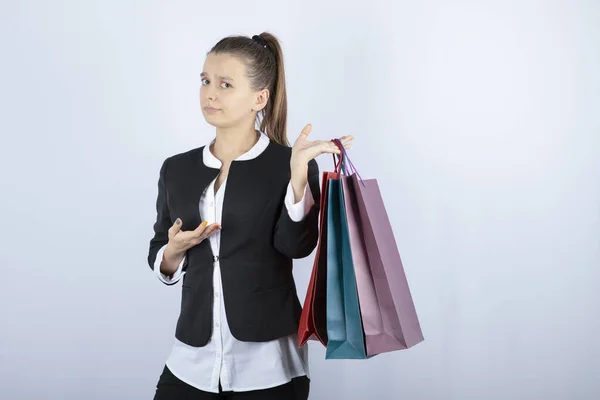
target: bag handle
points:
(345, 161)
(337, 160)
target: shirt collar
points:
(213, 162)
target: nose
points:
(209, 93)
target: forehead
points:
(224, 65)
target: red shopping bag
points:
(313, 322)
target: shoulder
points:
(183, 157)
(179, 161)
(279, 150)
(186, 155)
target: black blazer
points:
(258, 243)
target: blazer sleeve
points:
(297, 239)
(177, 275)
(163, 218)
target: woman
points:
(231, 217)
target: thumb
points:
(303, 135)
(176, 226)
(306, 131)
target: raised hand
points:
(305, 150)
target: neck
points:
(231, 143)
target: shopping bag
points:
(344, 326)
(312, 324)
(388, 313)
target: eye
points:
(228, 85)
(203, 80)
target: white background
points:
(480, 121)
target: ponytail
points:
(264, 61)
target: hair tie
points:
(260, 41)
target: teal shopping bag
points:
(345, 333)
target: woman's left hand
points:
(304, 150)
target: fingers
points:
(326, 146)
(346, 139)
(204, 230)
(331, 147)
(210, 230)
(318, 147)
(200, 229)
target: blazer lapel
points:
(191, 183)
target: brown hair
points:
(264, 67)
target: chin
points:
(220, 121)
(212, 119)
(217, 122)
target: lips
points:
(211, 110)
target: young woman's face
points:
(226, 98)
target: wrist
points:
(171, 254)
(299, 178)
(299, 169)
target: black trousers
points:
(169, 387)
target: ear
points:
(262, 97)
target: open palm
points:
(305, 150)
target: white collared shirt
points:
(240, 366)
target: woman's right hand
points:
(180, 241)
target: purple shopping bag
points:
(390, 321)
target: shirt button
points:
(217, 324)
(217, 294)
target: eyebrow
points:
(227, 78)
